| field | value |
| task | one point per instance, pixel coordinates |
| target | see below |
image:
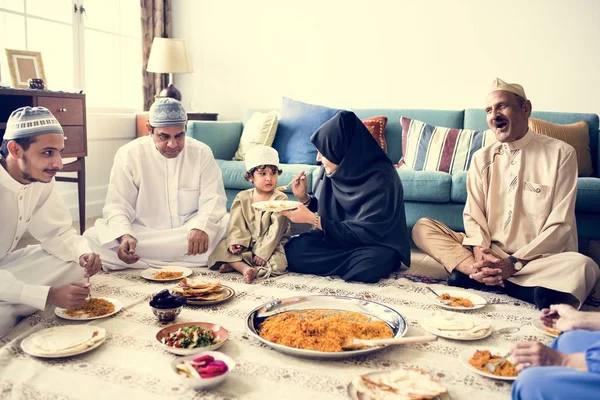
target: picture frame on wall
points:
(24, 65)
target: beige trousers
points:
(568, 272)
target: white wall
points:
(397, 54)
(106, 132)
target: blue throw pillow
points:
(298, 121)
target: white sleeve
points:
(212, 204)
(13, 290)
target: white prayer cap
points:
(515, 88)
(31, 121)
(261, 155)
(167, 112)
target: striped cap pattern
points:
(432, 148)
(31, 121)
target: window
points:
(98, 50)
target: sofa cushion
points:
(376, 126)
(259, 130)
(426, 186)
(433, 148)
(297, 123)
(233, 174)
(223, 137)
(458, 193)
(588, 194)
(576, 134)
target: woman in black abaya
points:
(357, 212)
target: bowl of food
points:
(166, 306)
(204, 370)
(189, 338)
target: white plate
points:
(221, 333)
(276, 205)
(149, 273)
(537, 324)
(204, 383)
(447, 335)
(466, 355)
(353, 390)
(478, 301)
(60, 312)
(29, 348)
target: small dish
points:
(466, 355)
(204, 383)
(221, 336)
(166, 315)
(478, 301)
(537, 324)
(149, 273)
(276, 205)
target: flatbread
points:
(401, 384)
(67, 339)
(457, 326)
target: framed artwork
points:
(24, 65)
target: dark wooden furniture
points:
(142, 118)
(69, 110)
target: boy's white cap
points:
(261, 155)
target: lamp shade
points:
(168, 56)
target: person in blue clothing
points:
(567, 369)
(357, 211)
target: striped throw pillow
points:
(433, 148)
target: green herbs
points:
(190, 337)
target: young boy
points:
(255, 239)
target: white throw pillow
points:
(259, 130)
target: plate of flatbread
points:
(276, 205)
(64, 341)
(199, 293)
(400, 384)
(94, 308)
(165, 274)
(456, 326)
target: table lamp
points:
(169, 56)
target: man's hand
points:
(91, 262)
(69, 296)
(301, 215)
(258, 261)
(562, 317)
(197, 242)
(235, 249)
(126, 251)
(299, 187)
(535, 354)
(492, 270)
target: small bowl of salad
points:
(187, 338)
(204, 370)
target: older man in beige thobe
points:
(520, 231)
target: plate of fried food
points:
(400, 384)
(476, 360)
(322, 327)
(94, 308)
(276, 205)
(456, 326)
(198, 293)
(166, 274)
(537, 324)
(459, 300)
(63, 341)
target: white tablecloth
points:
(130, 365)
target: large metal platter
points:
(340, 303)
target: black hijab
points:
(364, 195)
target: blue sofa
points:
(436, 195)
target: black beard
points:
(29, 177)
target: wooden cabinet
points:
(69, 110)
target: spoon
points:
(492, 366)
(354, 343)
(282, 188)
(445, 302)
(509, 330)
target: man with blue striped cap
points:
(166, 201)
(49, 273)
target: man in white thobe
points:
(166, 202)
(520, 230)
(49, 273)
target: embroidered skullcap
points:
(31, 121)
(167, 112)
(515, 88)
(261, 155)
